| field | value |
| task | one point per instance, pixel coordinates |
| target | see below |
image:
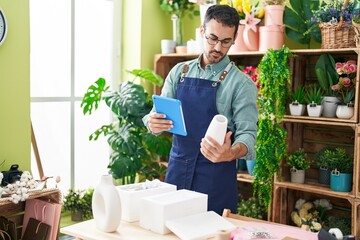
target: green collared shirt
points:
(235, 98)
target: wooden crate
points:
(15, 212)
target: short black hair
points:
(223, 14)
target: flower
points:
(333, 11)
(178, 7)
(244, 7)
(345, 88)
(252, 72)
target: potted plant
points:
(271, 147)
(341, 165)
(297, 105)
(298, 164)
(313, 98)
(78, 202)
(134, 149)
(327, 76)
(274, 12)
(345, 88)
(322, 162)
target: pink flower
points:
(345, 81)
(250, 21)
(335, 87)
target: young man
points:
(207, 86)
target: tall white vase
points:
(329, 106)
(217, 128)
(106, 205)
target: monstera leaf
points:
(149, 75)
(297, 19)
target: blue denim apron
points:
(188, 168)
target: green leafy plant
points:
(313, 95)
(321, 161)
(298, 160)
(179, 8)
(135, 149)
(251, 208)
(79, 201)
(271, 147)
(297, 27)
(339, 159)
(326, 73)
(298, 95)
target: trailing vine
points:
(271, 147)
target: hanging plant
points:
(271, 147)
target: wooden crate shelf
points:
(15, 212)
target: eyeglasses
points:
(226, 43)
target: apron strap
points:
(183, 72)
(223, 74)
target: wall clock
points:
(3, 27)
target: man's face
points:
(217, 40)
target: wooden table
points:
(87, 230)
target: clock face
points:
(3, 27)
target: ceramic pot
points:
(106, 205)
(271, 37)
(251, 39)
(340, 182)
(250, 164)
(314, 110)
(239, 44)
(241, 165)
(217, 128)
(297, 109)
(329, 106)
(297, 176)
(344, 111)
(76, 216)
(274, 15)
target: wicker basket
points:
(357, 34)
(337, 36)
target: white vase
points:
(106, 205)
(314, 110)
(329, 106)
(297, 176)
(344, 111)
(297, 109)
(217, 128)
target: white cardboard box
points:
(131, 195)
(156, 210)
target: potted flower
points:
(313, 98)
(323, 163)
(250, 16)
(334, 18)
(297, 105)
(298, 164)
(327, 76)
(274, 12)
(345, 88)
(341, 165)
(78, 202)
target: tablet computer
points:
(172, 109)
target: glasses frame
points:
(218, 40)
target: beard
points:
(214, 56)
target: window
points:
(71, 46)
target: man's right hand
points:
(157, 123)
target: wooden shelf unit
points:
(15, 212)
(308, 132)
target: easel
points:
(36, 152)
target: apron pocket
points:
(180, 172)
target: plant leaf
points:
(93, 96)
(148, 75)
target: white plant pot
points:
(297, 176)
(344, 111)
(329, 106)
(314, 110)
(297, 109)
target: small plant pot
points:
(344, 111)
(340, 182)
(76, 216)
(250, 164)
(314, 110)
(329, 106)
(324, 175)
(297, 109)
(297, 176)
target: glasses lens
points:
(226, 43)
(213, 41)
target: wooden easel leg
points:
(36, 152)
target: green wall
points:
(15, 86)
